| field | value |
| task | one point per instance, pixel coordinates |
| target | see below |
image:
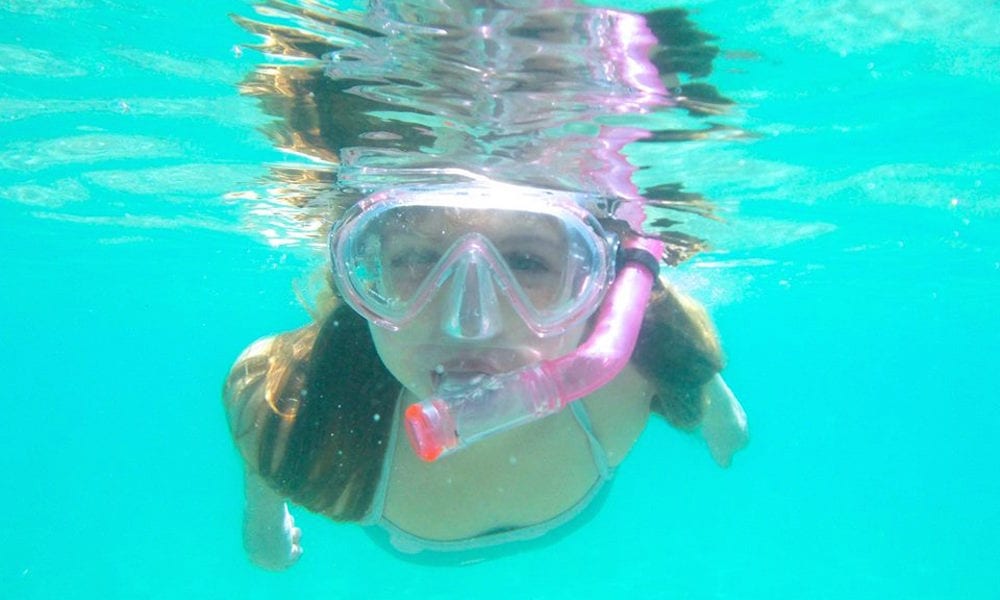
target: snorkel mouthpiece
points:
(466, 409)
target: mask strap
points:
(637, 255)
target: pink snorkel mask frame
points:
(462, 410)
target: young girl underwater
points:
(495, 345)
(501, 322)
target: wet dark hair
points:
(327, 452)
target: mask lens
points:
(392, 258)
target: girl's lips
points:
(463, 368)
(437, 361)
(470, 365)
(463, 378)
(478, 365)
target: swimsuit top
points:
(402, 542)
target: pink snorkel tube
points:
(464, 411)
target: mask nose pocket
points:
(472, 307)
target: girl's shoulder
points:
(260, 378)
(267, 357)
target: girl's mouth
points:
(465, 363)
(478, 365)
(466, 369)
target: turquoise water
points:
(854, 279)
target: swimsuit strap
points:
(374, 516)
(597, 450)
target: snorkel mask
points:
(489, 256)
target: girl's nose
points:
(472, 310)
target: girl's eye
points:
(414, 258)
(407, 268)
(526, 263)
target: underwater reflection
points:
(546, 94)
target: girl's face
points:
(470, 326)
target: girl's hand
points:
(271, 540)
(724, 425)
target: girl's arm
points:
(270, 536)
(679, 351)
